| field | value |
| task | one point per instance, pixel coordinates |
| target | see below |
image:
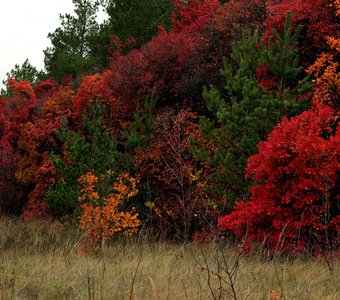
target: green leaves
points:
(22, 72)
(138, 19)
(246, 113)
(93, 149)
(283, 60)
(71, 52)
(142, 124)
(26, 71)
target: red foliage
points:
(294, 208)
(12, 195)
(317, 18)
(128, 76)
(89, 90)
(59, 105)
(37, 141)
(167, 57)
(178, 63)
(295, 203)
(45, 89)
(22, 88)
(19, 107)
(172, 64)
(266, 80)
(180, 205)
(118, 107)
(44, 178)
(29, 120)
(16, 109)
(193, 11)
(67, 80)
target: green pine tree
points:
(283, 60)
(22, 72)
(243, 114)
(71, 52)
(93, 149)
(139, 19)
(141, 127)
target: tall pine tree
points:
(244, 113)
(71, 52)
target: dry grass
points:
(40, 261)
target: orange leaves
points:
(101, 217)
(30, 120)
(22, 88)
(327, 75)
(59, 104)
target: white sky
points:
(24, 25)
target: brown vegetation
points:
(40, 261)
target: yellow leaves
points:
(149, 204)
(100, 219)
(202, 184)
(195, 176)
(110, 173)
(212, 203)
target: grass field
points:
(40, 261)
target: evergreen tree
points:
(283, 60)
(139, 19)
(71, 51)
(94, 150)
(141, 127)
(22, 72)
(245, 113)
(25, 71)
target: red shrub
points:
(37, 141)
(178, 202)
(16, 109)
(29, 120)
(45, 89)
(89, 90)
(295, 203)
(193, 12)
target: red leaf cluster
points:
(295, 201)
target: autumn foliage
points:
(326, 71)
(102, 216)
(183, 207)
(55, 156)
(294, 204)
(317, 18)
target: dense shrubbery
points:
(163, 113)
(295, 202)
